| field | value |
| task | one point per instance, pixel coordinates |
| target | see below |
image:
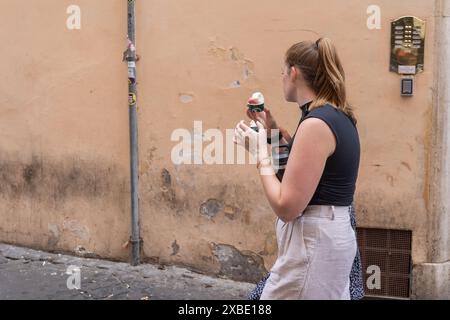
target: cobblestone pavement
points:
(31, 274)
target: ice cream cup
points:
(256, 107)
(256, 102)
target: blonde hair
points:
(322, 70)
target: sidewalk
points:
(31, 274)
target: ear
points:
(293, 73)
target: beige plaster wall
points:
(64, 152)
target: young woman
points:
(316, 243)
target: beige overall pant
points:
(315, 256)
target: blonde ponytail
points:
(322, 70)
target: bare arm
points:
(314, 143)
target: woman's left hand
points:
(254, 142)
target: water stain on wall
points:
(175, 248)
(168, 195)
(56, 180)
(168, 192)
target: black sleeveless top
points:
(337, 184)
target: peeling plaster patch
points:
(211, 207)
(166, 188)
(231, 211)
(76, 228)
(175, 248)
(151, 153)
(186, 97)
(168, 196)
(216, 51)
(236, 55)
(235, 84)
(148, 161)
(166, 178)
(82, 252)
(246, 73)
(239, 266)
(248, 69)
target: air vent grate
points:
(390, 250)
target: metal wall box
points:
(407, 45)
(407, 86)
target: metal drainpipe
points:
(130, 57)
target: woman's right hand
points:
(265, 117)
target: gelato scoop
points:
(256, 102)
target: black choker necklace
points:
(305, 108)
